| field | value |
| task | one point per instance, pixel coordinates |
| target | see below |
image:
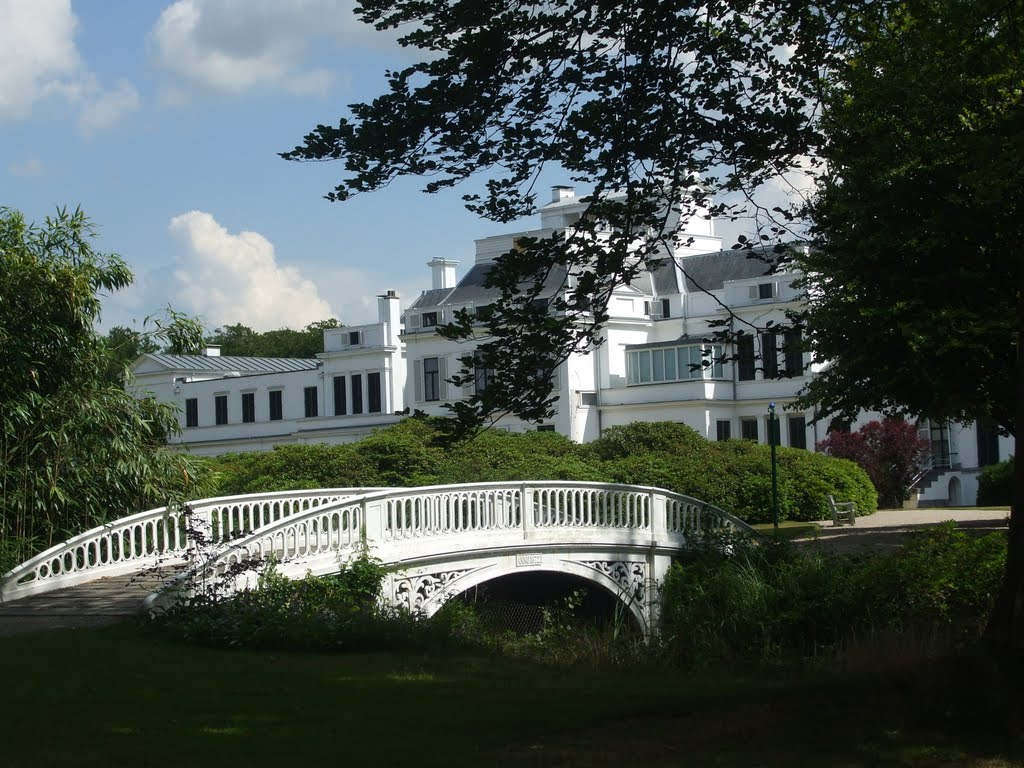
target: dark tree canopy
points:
(242, 341)
(915, 273)
(658, 106)
(654, 106)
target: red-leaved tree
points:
(891, 451)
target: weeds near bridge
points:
(733, 605)
(774, 605)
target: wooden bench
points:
(843, 512)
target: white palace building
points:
(368, 374)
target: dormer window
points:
(764, 291)
(429, 319)
(353, 338)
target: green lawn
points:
(789, 529)
(120, 696)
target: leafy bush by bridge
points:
(734, 475)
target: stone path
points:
(888, 529)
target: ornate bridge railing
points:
(158, 536)
(408, 526)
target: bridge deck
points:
(103, 601)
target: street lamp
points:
(773, 440)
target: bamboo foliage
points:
(76, 450)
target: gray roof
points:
(471, 287)
(432, 298)
(710, 271)
(241, 364)
(682, 341)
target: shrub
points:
(774, 603)
(503, 456)
(995, 485)
(643, 438)
(891, 451)
(292, 467)
(734, 475)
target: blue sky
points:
(162, 120)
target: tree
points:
(240, 340)
(915, 275)
(124, 345)
(656, 106)
(75, 448)
(891, 451)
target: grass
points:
(122, 695)
(789, 529)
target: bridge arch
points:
(624, 580)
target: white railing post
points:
(373, 523)
(526, 505)
(659, 516)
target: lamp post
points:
(773, 440)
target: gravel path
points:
(888, 529)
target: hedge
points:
(734, 475)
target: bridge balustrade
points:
(158, 536)
(320, 529)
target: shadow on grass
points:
(84, 697)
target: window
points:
(482, 376)
(339, 396)
(276, 408)
(838, 425)
(745, 358)
(658, 309)
(373, 394)
(353, 338)
(431, 379)
(220, 409)
(794, 354)
(483, 313)
(695, 361)
(771, 430)
(248, 407)
(545, 427)
(311, 399)
(987, 436)
(769, 355)
(357, 393)
(723, 429)
(765, 290)
(748, 429)
(588, 399)
(429, 319)
(192, 412)
(797, 432)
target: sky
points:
(162, 120)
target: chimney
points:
(560, 192)
(389, 313)
(442, 273)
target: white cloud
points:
(30, 168)
(236, 45)
(39, 62)
(37, 52)
(229, 278)
(101, 109)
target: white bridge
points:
(436, 541)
